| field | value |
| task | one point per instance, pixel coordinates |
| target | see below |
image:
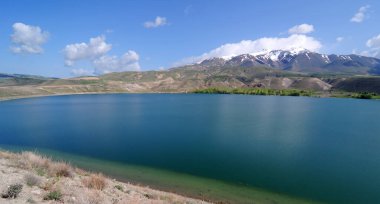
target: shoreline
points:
(84, 93)
(323, 95)
(43, 180)
(184, 185)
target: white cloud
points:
(127, 62)
(82, 72)
(374, 45)
(253, 46)
(159, 21)
(301, 29)
(360, 15)
(28, 39)
(96, 47)
(339, 39)
(374, 42)
(95, 51)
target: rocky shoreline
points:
(31, 178)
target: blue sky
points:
(35, 36)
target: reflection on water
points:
(322, 149)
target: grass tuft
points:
(32, 180)
(30, 160)
(53, 195)
(60, 169)
(95, 181)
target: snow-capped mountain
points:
(301, 60)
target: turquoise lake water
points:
(324, 150)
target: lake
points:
(225, 147)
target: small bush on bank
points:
(53, 195)
(60, 169)
(95, 181)
(32, 180)
(29, 160)
(119, 187)
(13, 191)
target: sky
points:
(73, 38)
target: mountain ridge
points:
(278, 70)
(301, 61)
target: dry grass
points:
(60, 169)
(95, 181)
(32, 180)
(54, 195)
(42, 165)
(89, 196)
(81, 172)
(78, 186)
(49, 185)
(30, 160)
(7, 155)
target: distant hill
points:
(21, 79)
(303, 70)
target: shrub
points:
(365, 96)
(13, 191)
(32, 180)
(119, 187)
(40, 171)
(60, 169)
(95, 181)
(53, 195)
(31, 160)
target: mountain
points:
(301, 69)
(301, 61)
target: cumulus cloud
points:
(127, 62)
(82, 72)
(374, 45)
(360, 15)
(96, 52)
(253, 46)
(301, 29)
(96, 47)
(28, 39)
(339, 39)
(159, 21)
(374, 42)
